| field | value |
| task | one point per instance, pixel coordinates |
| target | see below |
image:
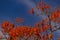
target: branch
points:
(56, 29)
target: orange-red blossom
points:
(21, 31)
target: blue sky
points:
(10, 9)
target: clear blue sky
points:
(10, 9)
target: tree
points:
(41, 31)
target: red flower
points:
(37, 25)
(52, 18)
(32, 10)
(50, 36)
(44, 28)
(3, 25)
(59, 38)
(4, 30)
(42, 22)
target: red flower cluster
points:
(21, 31)
(55, 15)
(7, 26)
(43, 7)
